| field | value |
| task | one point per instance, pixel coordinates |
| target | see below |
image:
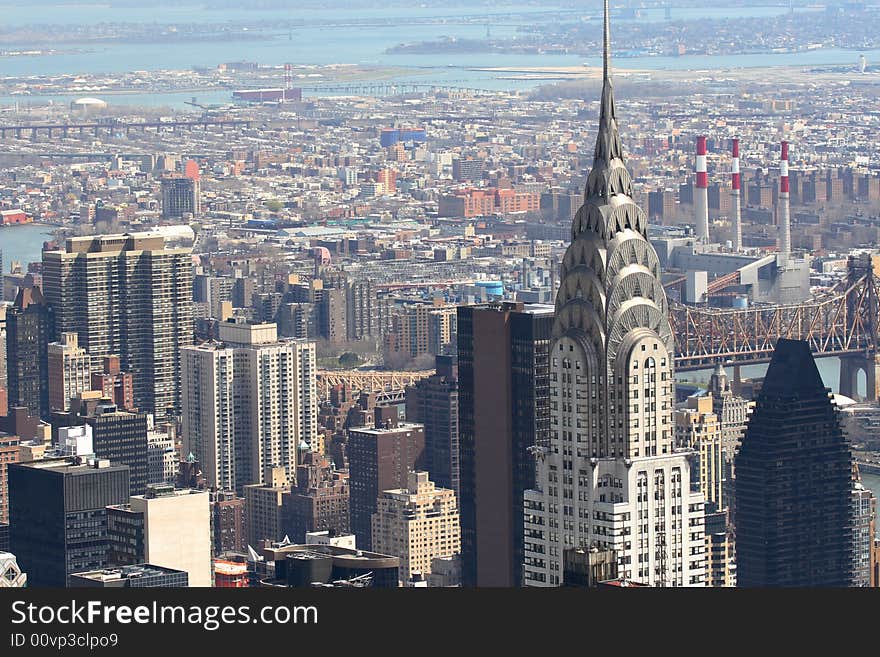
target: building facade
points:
(794, 481)
(249, 402)
(611, 476)
(27, 365)
(126, 295)
(69, 371)
(380, 458)
(318, 501)
(504, 410)
(121, 438)
(697, 428)
(417, 524)
(433, 402)
(58, 516)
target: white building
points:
(347, 541)
(162, 457)
(248, 403)
(11, 575)
(75, 441)
(177, 531)
(611, 476)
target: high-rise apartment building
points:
(611, 476)
(504, 410)
(417, 524)
(130, 296)
(162, 456)
(27, 332)
(69, 371)
(58, 515)
(794, 481)
(433, 402)
(697, 428)
(180, 196)
(864, 511)
(249, 402)
(380, 458)
(318, 501)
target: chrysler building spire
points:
(611, 455)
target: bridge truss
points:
(845, 321)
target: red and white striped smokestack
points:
(735, 186)
(784, 203)
(701, 192)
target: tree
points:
(349, 360)
(274, 204)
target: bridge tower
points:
(862, 308)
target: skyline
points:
(434, 334)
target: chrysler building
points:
(612, 477)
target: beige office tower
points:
(126, 295)
(249, 401)
(611, 476)
(177, 530)
(417, 524)
(697, 428)
(69, 371)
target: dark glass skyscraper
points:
(122, 438)
(58, 516)
(504, 409)
(27, 369)
(433, 401)
(793, 481)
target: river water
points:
(23, 243)
(331, 42)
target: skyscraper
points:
(121, 437)
(249, 401)
(165, 527)
(504, 409)
(611, 476)
(26, 355)
(58, 516)
(380, 458)
(180, 195)
(433, 402)
(69, 371)
(126, 295)
(794, 481)
(417, 524)
(697, 428)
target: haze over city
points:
(493, 294)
